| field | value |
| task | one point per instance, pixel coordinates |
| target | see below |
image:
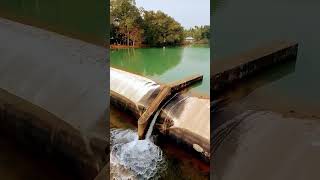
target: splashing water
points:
(131, 158)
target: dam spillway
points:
(185, 118)
(53, 96)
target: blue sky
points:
(187, 12)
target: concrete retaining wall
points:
(230, 70)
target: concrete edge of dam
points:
(230, 70)
(175, 120)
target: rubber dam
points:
(53, 96)
(185, 119)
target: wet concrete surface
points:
(53, 89)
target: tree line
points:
(199, 33)
(132, 26)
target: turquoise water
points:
(166, 64)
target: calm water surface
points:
(245, 24)
(167, 65)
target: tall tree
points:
(126, 20)
(161, 29)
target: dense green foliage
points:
(161, 29)
(126, 22)
(132, 26)
(199, 33)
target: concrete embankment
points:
(228, 71)
(185, 118)
(53, 96)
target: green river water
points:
(166, 64)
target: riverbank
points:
(126, 46)
(112, 47)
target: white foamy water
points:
(131, 158)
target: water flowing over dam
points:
(52, 95)
(185, 118)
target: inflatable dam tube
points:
(53, 96)
(185, 118)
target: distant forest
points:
(133, 26)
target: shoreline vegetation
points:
(124, 46)
(133, 27)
